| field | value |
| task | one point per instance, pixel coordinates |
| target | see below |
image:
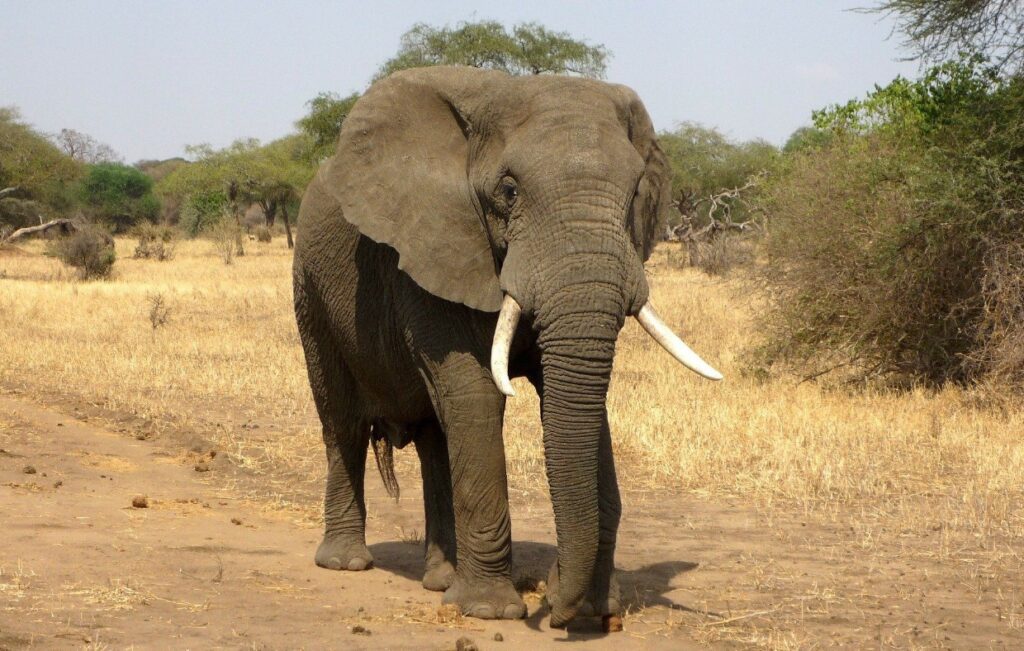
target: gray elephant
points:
(473, 227)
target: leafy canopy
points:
(119, 194)
(530, 49)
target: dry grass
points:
(922, 477)
(229, 365)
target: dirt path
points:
(201, 568)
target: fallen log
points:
(56, 226)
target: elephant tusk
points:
(508, 319)
(661, 333)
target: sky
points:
(149, 78)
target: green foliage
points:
(31, 163)
(245, 172)
(202, 210)
(89, 249)
(891, 247)
(322, 124)
(529, 49)
(119, 195)
(705, 162)
(806, 138)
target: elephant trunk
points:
(577, 342)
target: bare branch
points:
(62, 226)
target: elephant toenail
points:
(482, 611)
(357, 564)
(514, 611)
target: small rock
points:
(498, 637)
(141, 436)
(236, 521)
(360, 630)
(58, 483)
(212, 453)
(29, 470)
(466, 644)
(202, 467)
(140, 502)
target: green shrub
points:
(119, 195)
(89, 249)
(894, 248)
(202, 210)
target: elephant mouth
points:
(650, 321)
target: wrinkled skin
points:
(450, 188)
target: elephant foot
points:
(344, 553)
(438, 575)
(485, 599)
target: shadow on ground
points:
(642, 587)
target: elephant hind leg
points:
(346, 436)
(439, 570)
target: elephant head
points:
(538, 197)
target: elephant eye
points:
(509, 191)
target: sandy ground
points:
(203, 568)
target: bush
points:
(893, 249)
(226, 236)
(201, 211)
(155, 242)
(119, 195)
(90, 250)
(263, 234)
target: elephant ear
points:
(399, 174)
(649, 210)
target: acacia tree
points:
(936, 29)
(530, 49)
(272, 176)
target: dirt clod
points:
(140, 502)
(360, 630)
(29, 470)
(498, 637)
(202, 466)
(58, 483)
(466, 644)
(236, 521)
(611, 623)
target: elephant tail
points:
(384, 453)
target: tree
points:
(119, 194)
(36, 178)
(529, 49)
(806, 138)
(323, 122)
(705, 164)
(84, 148)
(937, 29)
(272, 176)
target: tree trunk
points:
(287, 226)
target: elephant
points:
(472, 227)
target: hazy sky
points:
(149, 78)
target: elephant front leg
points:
(439, 553)
(344, 543)
(472, 419)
